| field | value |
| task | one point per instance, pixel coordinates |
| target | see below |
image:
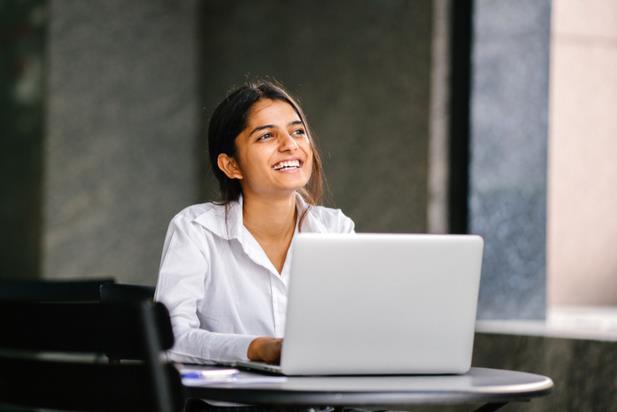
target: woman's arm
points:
(185, 266)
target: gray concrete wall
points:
(582, 370)
(363, 75)
(508, 167)
(121, 134)
(124, 149)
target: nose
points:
(288, 143)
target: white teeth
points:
(287, 164)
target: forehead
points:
(267, 111)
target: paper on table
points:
(244, 377)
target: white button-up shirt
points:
(221, 289)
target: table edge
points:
(276, 396)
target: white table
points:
(494, 387)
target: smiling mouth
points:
(287, 165)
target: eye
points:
(265, 136)
(299, 132)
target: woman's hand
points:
(265, 349)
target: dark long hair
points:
(229, 120)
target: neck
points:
(269, 218)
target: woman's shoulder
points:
(330, 219)
(210, 215)
(195, 211)
(218, 218)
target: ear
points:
(229, 166)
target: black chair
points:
(70, 290)
(73, 290)
(119, 292)
(102, 290)
(70, 375)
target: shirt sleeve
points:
(182, 278)
(345, 224)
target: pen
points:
(191, 375)
(209, 374)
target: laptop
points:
(380, 304)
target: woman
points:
(225, 266)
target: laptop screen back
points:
(381, 304)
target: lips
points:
(288, 164)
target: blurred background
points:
(489, 117)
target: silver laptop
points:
(369, 304)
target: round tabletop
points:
(478, 385)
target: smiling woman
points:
(273, 154)
(242, 113)
(225, 265)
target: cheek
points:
(253, 161)
(309, 162)
(246, 164)
(307, 147)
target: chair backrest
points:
(73, 290)
(70, 290)
(120, 292)
(104, 290)
(48, 357)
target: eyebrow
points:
(269, 126)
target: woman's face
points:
(273, 153)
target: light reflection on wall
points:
(582, 197)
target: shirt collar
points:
(225, 221)
(228, 224)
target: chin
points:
(294, 187)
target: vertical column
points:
(508, 166)
(438, 148)
(119, 158)
(22, 65)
